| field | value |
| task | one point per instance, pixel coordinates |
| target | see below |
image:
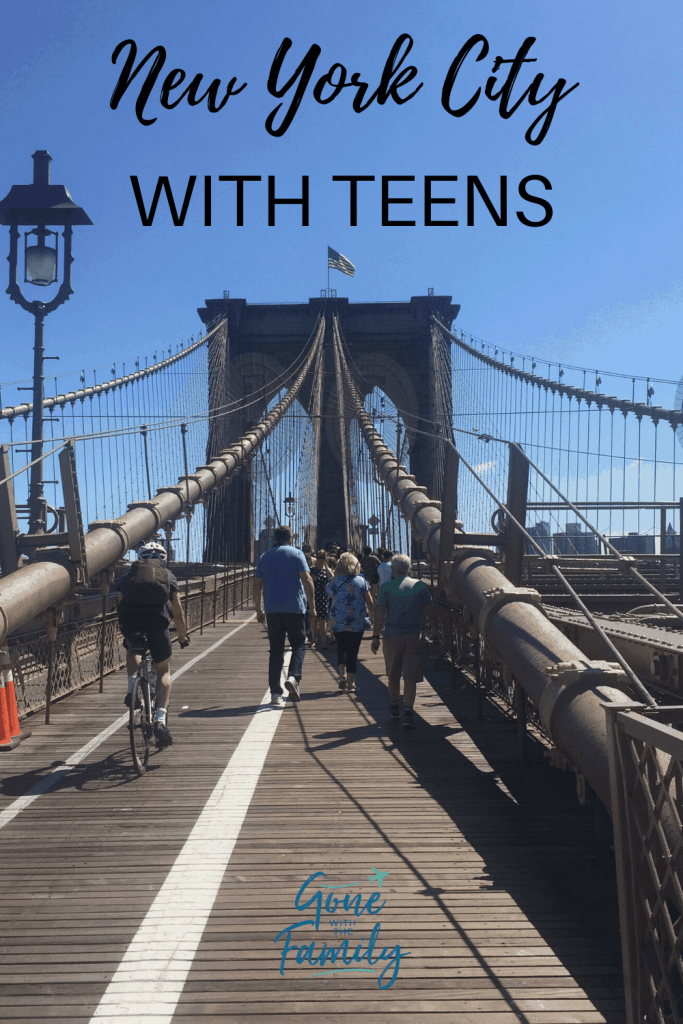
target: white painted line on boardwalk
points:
(151, 976)
(48, 782)
(209, 650)
(57, 774)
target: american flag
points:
(336, 261)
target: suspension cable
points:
(673, 416)
(637, 685)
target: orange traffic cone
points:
(10, 731)
(5, 733)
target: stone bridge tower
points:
(392, 345)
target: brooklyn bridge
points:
(520, 851)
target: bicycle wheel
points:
(141, 727)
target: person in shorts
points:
(150, 599)
(399, 613)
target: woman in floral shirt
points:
(349, 615)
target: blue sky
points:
(600, 285)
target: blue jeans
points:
(281, 625)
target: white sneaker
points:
(293, 688)
(277, 700)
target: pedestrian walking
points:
(369, 564)
(399, 613)
(321, 574)
(308, 554)
(282, 585)
(350, 612)
(308, 622)
(384, 572)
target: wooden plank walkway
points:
(492, 886)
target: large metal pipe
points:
(568, 688)
(34, 588)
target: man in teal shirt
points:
(399, 612)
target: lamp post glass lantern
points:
(40, 260)
(38, 205)
(290, 506)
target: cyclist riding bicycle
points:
(149, 600)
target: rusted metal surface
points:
(655, 652)
(602, 584)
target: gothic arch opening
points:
(376, 372)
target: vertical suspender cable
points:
(341, 412)
(188, 516)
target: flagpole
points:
(328, 275)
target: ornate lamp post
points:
(40, 204)
(290, 506)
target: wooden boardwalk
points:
(492, 885)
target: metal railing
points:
(645, 751)
(457, 639)
(45, 670)
(646, 778)
(81, 654)
(218, 593)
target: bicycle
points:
(143, 704)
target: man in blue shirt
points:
(282, 584)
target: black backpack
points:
(147, 583)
